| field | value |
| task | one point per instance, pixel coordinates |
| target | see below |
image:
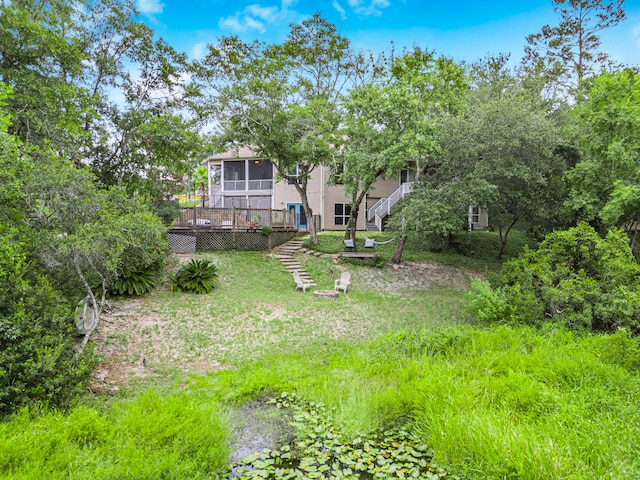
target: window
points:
(260, 175)
(294, 171)
(234, 175)
(215, 175)
(342, 211)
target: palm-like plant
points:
(197, 276)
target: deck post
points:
(233, 217)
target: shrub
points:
(197, 276)
(37, 364)
(575, 278)
(266, 230)
(138, 282)
(167, 210)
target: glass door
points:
(299, 215)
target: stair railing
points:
(384, 209)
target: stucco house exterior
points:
(241, 178)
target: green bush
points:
(167, 210)
(575, 278)
(135, 283)
(266, 230)
(197, 276)
(37, 334)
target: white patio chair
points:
(343, 282)
(199, 222)
(368, 242)
(299, 282)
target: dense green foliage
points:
(574, 279)
(64, 61)
(197, 276)
(603, 186)
(37, 363)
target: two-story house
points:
(241, 178)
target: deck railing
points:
(234, 218)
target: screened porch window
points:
(234, 175)
(260, 174)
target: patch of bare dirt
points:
(415, 276)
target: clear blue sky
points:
(464, 30)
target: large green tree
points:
(37, 333)
(92, 84)
(391, 120)
(572, 48)
(88, 237)
(604, 188)
(501, 152)
(508, 140)
(282, 99)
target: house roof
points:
(234, 154)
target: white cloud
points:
(199, 50)
(340, 10)
(256, 17)
(150, 7)
(232, 23)
(366, 8)
(241, 23)
(264, 13)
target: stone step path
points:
(285, 253)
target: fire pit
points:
(331, 294)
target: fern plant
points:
(138, 282)
(197, 276)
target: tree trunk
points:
(503, 238)
(302, 190)
(397, 254)
(353, 218)
(96, 305)
(355, 208)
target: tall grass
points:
(154, 436)
(493, 404)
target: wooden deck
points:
(363, 255)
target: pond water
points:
(259, 425)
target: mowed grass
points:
(256, 310)
(398, 349)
